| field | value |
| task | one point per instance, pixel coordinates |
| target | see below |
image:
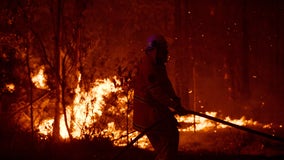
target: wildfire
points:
(86, 110)
(200, 123)
(88, 105)
(91, 115)
(10, 87)
(39, 79)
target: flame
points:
(84, 116)
(86, 109)
(46, 127)
(10, 87)
(88, 105)
(39, 79)
(200, 123)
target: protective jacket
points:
(153, 95)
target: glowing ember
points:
(46, 127)
(10, 87)
(269, 126)
(40, 79)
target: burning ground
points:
(99, 123)
(214, 144)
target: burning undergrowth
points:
(98, 112)
(104, 112)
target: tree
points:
(244, 57)
(183, 56)
(14, 75)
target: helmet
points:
(159, 43)
(156, 41)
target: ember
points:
(10, 87)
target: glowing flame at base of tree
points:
(39, 79)
(85, 115)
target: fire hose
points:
(269, 136)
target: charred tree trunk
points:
(63, 85)
(58, 61)
(244, 58)
(237, 59)
(182, 63)
(30, 84)
(177, 44)
(278, 61)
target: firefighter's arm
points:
(178, 109)
(164, 95)
(166, 101)
(181, 111)
(161, 90)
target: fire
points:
(87, 108)
(88, 105)
(91, 115)
(10, 87)
(39, 79)
(46, 127)
(86, 111)
(200, 123)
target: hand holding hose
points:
(181, 111)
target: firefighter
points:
(155, 101)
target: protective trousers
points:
(165, 139)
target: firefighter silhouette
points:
(155, 101)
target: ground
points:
(229, 144)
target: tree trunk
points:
(278, 61)
(244, 58)
(30, 83)
(182, 55)
(58, 59)
(63, 85)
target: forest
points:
(67, 70)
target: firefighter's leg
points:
(165, 142)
